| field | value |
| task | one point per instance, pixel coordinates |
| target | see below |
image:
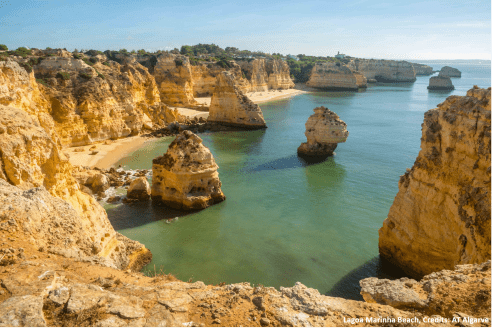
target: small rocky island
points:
(186, 176)
(450, 72)
(324, 130)
(440, 82)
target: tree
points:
(3, 47)
(175, 51)
(186, 50)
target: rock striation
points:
(279, 75)
(450, 72)
(38, 191)
(441, 216)
(422, 69)
(186, 176)
(440, 82)
(230, 106)
(324, 130)
(334, 76)
(384, 70)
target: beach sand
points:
(109, 154)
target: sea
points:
(286, 220)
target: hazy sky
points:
(437, 29)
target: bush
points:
(77, 56)
(85, 75)
(26, 66)
(178, 62)
(106, 63)
(100, 75)
(123, 50)
(86, 60)
(3, 47)
(63, 75)
(42, 81)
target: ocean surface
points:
(286, 220)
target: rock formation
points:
(279, 75)
(422, 70)
(186, 176)
(41, 197)
(361, 80)
(139, 189)
(324, 130)
(384, 70)
(450, 72)
(333, 76)
(175, 81)
(229, 106)
(440, 82)
(441, 216)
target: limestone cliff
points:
(229, 106)
(384, 70)
(255, 72)
(279, 75)
(186, 176)
(324, 130)
(173, 75)
(441, 216)
(332, 76)
(450, 72)
(361, 80)
(205, 78)
(440, 82)
(32, 166)
(422, 70)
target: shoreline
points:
(109, 151)
(108, 154)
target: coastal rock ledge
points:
(441, 216)
(186, 176)
(324, 130)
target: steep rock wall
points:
(333, 76)
(422, 69)
(229, 106)
(384, 70)
(279, 75)
(441, 216)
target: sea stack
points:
(440, 82)
(186, 176)
(230, 106)
(441, 216)
(450, 72)
(333, 76)
(324, 129)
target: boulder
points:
(186, 176)
(324, 129)
(450, 72)
(440, 82)
(139, 189)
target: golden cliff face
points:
(441, 216)
(333, 76)
(384, 70)
(279, 75)
(30, 159)
(229, 106)
(186, 176)
(96, 103)
(173, 75)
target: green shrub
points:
(106, 63)
(77, 56)
(123, 50)
(85, 75)
(27, 67)
(3, 47)
(42, 81)
(100, 75)
(86, 60)
(48, 48)
(63, 75)
(178, 62)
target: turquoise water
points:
(285, 220)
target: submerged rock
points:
(186, 176)
(229, 106)
(139, 189)
(324, 130)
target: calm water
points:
(285, 220)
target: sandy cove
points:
(109, 152)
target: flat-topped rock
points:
(450, 72)
(440, 82)
(230, 106)
(333, 76)
(384, 70)
(186, 176)
(324, 130)
(422, 69)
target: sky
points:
(389, 29)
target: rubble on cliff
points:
(186, 176)
(441, 216)
(324, 130)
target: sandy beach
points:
(109, 152)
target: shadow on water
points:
(348, 287)
(289, 162)
(138, 214)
